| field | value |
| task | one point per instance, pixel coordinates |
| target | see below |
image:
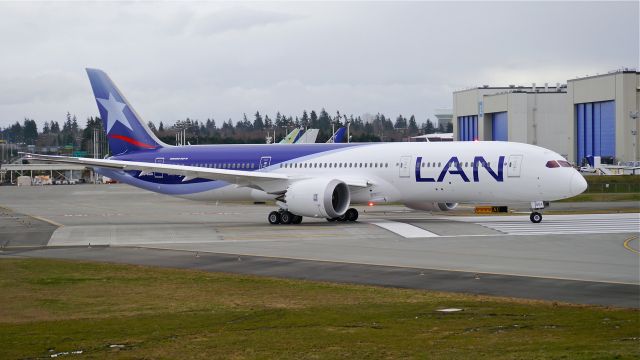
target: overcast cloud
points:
(220, 60)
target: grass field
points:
(586, 197)
(121, 311)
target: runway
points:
(566, 258)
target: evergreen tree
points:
(324, 121)
(305, 119)
(267, 122)
(401, 122)
(313, 118)
(428, 127)
(280, 122)
(30, 131)
(413, 126)
(66, 128)
(258, 124)
(74, 126)
(55, 127)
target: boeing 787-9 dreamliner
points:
(326, 180)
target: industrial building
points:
(590, 116)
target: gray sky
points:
(220, 60)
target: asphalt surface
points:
(583, 292)
(586, 259)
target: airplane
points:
(326, 180)
(338, 136)
(291, 137)
(308, 137)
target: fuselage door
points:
(158, 175)
(405, 167)
(265, 162)
(514, 166)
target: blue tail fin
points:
(124, 128)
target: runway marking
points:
(403, 229)
(564, 224)
(628, 247)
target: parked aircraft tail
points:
(339, 136)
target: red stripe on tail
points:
(132, 141)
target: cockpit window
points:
(552, 164)
(564, 163)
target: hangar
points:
(590, 116)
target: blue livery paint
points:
(126, 132)
(339, 136)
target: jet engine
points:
(431, 206)
(328, 198)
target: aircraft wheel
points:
(274, 218)
(297, 219)
(332, 219)
(351, 214)
(535, 217)
(286, 217)
(342, 218)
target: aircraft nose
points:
(578, 184)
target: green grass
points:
(50, 306)
(585, 197)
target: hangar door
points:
(596, 130)
(499, 126)
(468, 128)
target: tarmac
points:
(585, 259)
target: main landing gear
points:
(285, 217)
(349, 215)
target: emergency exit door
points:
(514, 166)
(405, 169)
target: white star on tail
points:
(114, 112)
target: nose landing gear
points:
(536, 216)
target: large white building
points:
(591, 116)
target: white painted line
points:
(402, 229)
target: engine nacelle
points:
(328, 198)
(431, 206)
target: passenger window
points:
(550, 164)
(386, 165)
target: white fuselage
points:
(418, 172)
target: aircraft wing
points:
(269, 182)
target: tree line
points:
(373, 128)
